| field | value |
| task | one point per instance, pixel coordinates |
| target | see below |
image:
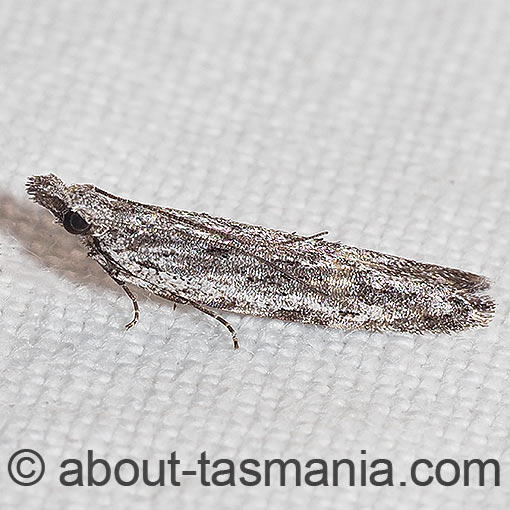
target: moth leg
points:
(185, 301)
(219, 318)
(113, 272)
(136, 309)
(319, 234)
(306, 238)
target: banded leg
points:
(219, 318)
(305, 238)
(136, 309)
(106, 262)
(181, 300)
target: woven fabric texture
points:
(385, 123)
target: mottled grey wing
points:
(283, 275)
(372, 290)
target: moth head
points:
(64, 202)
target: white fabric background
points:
(386, 123)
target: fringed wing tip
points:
(464, 280)
(482, 312)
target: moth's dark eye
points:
(74, 223)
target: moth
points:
(215, 263)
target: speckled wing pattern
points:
(212, 262)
